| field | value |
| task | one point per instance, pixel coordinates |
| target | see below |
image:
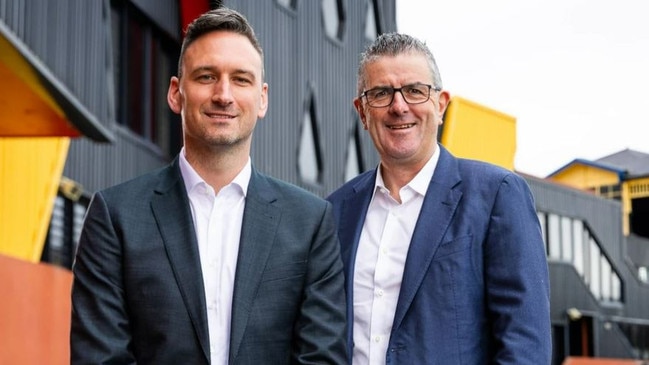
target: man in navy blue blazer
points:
(444, 257)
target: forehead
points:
(219, 49)
(400, 69)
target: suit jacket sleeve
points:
(516, 276)
(321, 325)
(100, 326)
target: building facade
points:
(84, 107)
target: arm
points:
(100, 326)
(321, 327)
(516, 274)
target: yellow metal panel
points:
(30, 171)
(585, 177)
(26, 108)
(474, 131)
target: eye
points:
(415, 90)
(239, 80)
(205, 78)
(378, 93)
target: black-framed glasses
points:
(412, 94)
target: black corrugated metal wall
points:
(304, 67)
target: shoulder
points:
(272, 188)
(141, 186)
(489, 180)
(484, 172)
(354, 186)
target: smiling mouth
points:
(219, 116)
(401, 126)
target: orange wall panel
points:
(34, 313)
(599, 361)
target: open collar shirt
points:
(217, 220)
(380, 259)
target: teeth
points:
(403, 126)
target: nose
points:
(222, 92)
(398, 102)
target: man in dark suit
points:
(443, 256)
(207, 261)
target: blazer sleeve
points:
(99, 324)
(321, 326)
(516, 274)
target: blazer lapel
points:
(352, 218)
(260, 220)
(178, 234)
(436, 212)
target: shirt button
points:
(379, 292)
(377, 339)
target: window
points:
(566, 239)
(544, 233)
(354, 160)
(554, 237)
(372, 21)
(309, 155)
(610, 191)
(333, 16)
(595, 270)
(144, 60)
(643, 274)
(578, 245)
(288, 4)
(570, 240)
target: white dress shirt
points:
(380, 260)
(217, 220)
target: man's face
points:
(220, 94)
(404, 134)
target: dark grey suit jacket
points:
(138, 292)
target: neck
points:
(217, 168)
(397, 174)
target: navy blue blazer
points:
(138, 292)
(475, 289)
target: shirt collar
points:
(192, 178)
(420, 182)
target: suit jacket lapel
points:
(260, 220)
(352, 218)
(178, 234)
(439, 205)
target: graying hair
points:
(221, 18)
(394, 44)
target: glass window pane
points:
(595, 269)
(566, 239)
(554, 236)
(544, 234)
(578, 246)
(616, 288)
(606, 278)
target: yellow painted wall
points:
(30, 172)
(583, 176)
(475, 131)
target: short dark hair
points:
(394, 44)
(221, 18)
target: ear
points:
(173, 95)
(263, 106)
(442, 102)
(358, 105)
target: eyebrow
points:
(239, 71)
